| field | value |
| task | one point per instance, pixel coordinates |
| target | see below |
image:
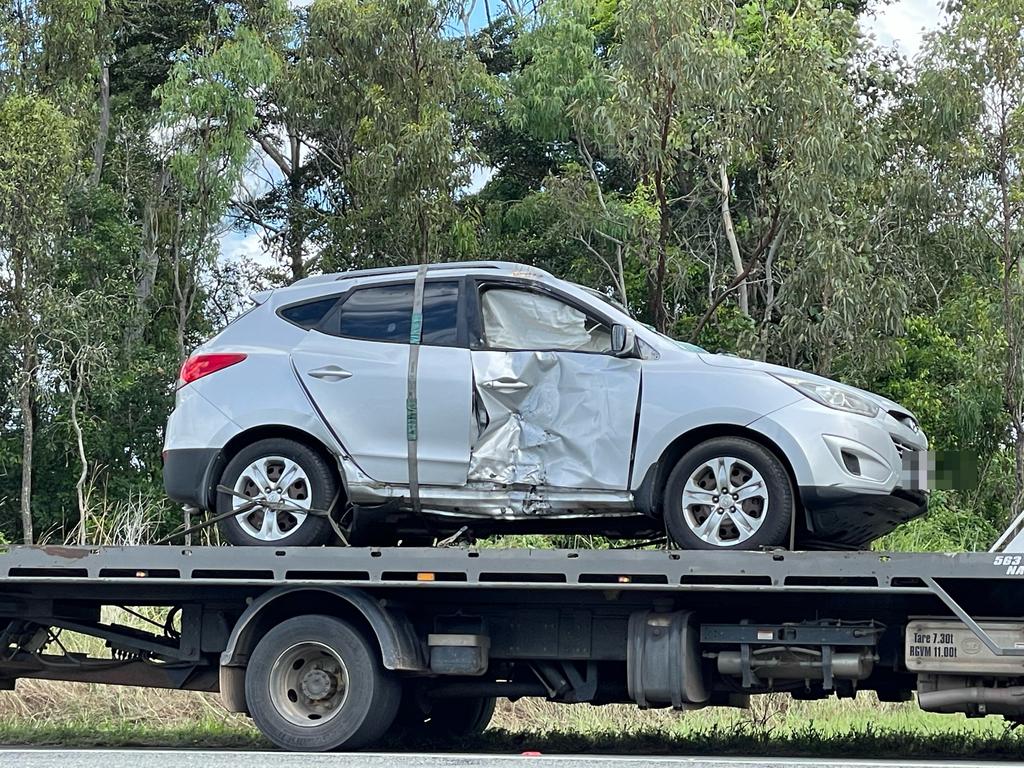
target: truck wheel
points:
(728, 493)
(291, 477)
(314, 683)
(445, 719)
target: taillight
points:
(198, 366)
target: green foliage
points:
(380, 91)
(948, 527)
(35, 163)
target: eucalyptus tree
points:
(383, 87)
(36, 164)
(208, 110)
(971, 102)
(78, 335)
(737, 122)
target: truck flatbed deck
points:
(332, 647)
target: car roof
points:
(453, 267)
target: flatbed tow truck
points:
(331, 648)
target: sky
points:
(904, 23)
(901, 24)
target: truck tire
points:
(296, 476)
(728, 493)
(444, 718)
(315, 683)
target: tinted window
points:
(309, 314)
(384, 313)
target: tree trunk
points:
(27, 433)
(659, 317)
(1013, 376)
(294, 239)
(99, 148)
(20, 268)
(83, 473)
(734, 247)
(148, 260)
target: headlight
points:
(831, 395)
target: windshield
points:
(603, 297)
(613, 303)
(681, 344)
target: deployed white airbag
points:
(516, 319)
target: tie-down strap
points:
(411, 413)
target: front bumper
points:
(828, 449)
(839, 517)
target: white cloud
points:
(903, 24)
(480, 175)
(244, 246)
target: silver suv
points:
(398, 405)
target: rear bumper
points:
(853, 519)
(186, 475)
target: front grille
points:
(905, 419)
(902, 447)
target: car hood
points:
(732, 361)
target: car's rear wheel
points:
(728, 493)
(277, 486)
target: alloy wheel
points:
(725, 501)
(280, 488)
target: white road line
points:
(111, 758)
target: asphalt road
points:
(134, 758)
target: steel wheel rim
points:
(280, 487)
(725, 501)
(309, 684)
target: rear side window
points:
(309, 314)
(384, 313)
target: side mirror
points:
(623, 341)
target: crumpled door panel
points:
(554, 419)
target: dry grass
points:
(76, 714)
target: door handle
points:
(330, 373)
(504, 385)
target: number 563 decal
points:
(1012, 563)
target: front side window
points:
(384, 313)
(522, 319)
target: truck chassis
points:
(332, 648)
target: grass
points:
(81, 715)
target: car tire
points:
(446, 719)
(346, 699)
(754, 511)
(311, 485)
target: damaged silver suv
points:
(399, 405)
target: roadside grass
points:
(84, 715)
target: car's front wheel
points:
(728, 493)
(276, 486)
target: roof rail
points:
(410, 268)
